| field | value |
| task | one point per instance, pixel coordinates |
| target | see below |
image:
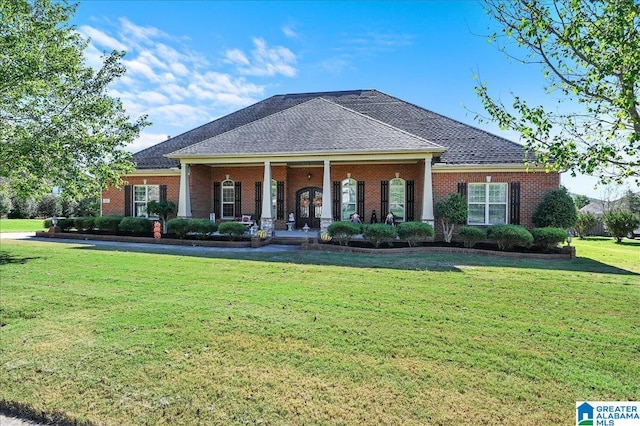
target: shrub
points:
(85, 223)
(620, 223)
(179, 226)
(5, 204)
(378, 232)
(23, 209)
(69, 207)
(136, 225)
(342, 231)
(413, 232)
(84, 207)
(163, 209)
(233, 230)
(557, 209)
(471, 235)
(49, 206)
(452, 211)
(586, 222)
(508, 236)
(108, 223)
(548, 238)
(65, 224)
(203, 227)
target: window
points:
(349, 198)
(274, 198)
(228, 199)
(142, 194)
(397, 198)
(487, 203)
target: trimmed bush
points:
(85, 223)
(548, 238)
(620, 223)
(136, 225)
(586, 222)
(108, 223)
(203, 227)
(179, 226)
(65, 224)
(471, 235)
(557, 210)
(233, 230)
(412, 232)
(343, 231)
(378, 232)
(509, 236)
(5, 204)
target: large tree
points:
(58, 125)
(590, 55)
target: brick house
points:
(323, 156)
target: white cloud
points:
(138, 33)
(101, 39)
(288, 31)
(265, 60)
(152, 97)
(179, 69)
(145, 140)
(236, 56)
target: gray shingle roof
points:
(464, 144)
(317, 125)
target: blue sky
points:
(189, 62)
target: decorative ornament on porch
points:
(326, 237)
(262, 234)
(157, 230)
(304, 202)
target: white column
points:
(327, 208)
(184, 197)
(427, 193)
(266, 220)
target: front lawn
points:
(21, 225)
(112, 337)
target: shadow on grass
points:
(26, 412)
(435, 262)
(6, 258)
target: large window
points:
(228, 199)
(349, 198)
(142, 194)
(274, 198)
(487, 203)
(397, 198)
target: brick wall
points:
(115, 207)
(533, 186)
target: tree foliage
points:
(58, 125)
(556, 209)
(585, 223)
(620, 223)
(580, 201)
(451, 212)
(590, 55)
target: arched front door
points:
(308, 207)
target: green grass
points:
(112, 337)
(21, 225)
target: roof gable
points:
(317, 125)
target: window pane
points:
(274, 198)
(227, 195)
(497, 213)
(476, 213)
(349, 191)
(498, 193)
(139, 193)
(477, 192)
(227, 210)
(153, 192)
(396, 198)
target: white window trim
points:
(135, 203)
(404, 199)
(232, 202)
(486, 203)
(352, 183)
